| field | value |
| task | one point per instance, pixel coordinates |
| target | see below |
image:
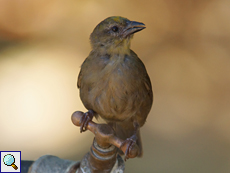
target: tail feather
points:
(139, 143)
(126, 130)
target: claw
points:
(131, 141)
(88, 116)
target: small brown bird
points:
(113, 81)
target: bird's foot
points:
(130, 143)
(88, 116)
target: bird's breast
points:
(115, 92)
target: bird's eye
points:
(114, 28)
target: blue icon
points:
(9, 160)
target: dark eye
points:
(114, 28)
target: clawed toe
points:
(130, 142)
(88, 116)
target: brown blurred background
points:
(186, 49)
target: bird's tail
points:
(126, 130)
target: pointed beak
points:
(132, 27)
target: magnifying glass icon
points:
(9, 160)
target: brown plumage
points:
(113, 81)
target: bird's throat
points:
(119, 47)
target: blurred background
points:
(186, 49)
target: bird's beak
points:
(132, 28)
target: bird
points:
(113, 81)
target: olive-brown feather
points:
(113, 81)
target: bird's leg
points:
(131, 140)
(88, 116)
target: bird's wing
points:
(80, 74)
(148, 86)
(79, 79)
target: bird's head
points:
(113, 34)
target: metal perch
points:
(102, 157)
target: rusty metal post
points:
(103, 155)
(100, 160)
